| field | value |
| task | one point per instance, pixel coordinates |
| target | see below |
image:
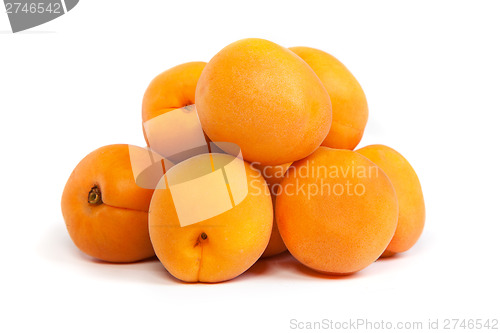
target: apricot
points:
(349, 105)
(173, 89)
(276, 244)
(337, 211)
(411, 218)
(220, 247)
(273, 176)
(105, 212)
(264, 98)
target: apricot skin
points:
(115, 230)
(410, 197)
(273, 176)
(334, 232)
(349, 105)
(264, 98)
(172, 89)
(276, 244)
(216, 249)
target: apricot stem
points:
(203, 236)
(95, 197)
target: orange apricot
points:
(337, 211)
(264, 98)
(105, 212)
(173, 89)
(410, 197)
(276, 244)
(273, 176)
(220, 247)
(349, 105)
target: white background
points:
(431, 73)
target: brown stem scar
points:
(95, 197)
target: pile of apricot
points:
(297, 115)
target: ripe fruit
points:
(105, 212)
(264, 98)
(338, 211)
(349, 106)
(170, 90)
(410, 197)
(273, 176)
(295, 115)
(218, 248)
(276, 244)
